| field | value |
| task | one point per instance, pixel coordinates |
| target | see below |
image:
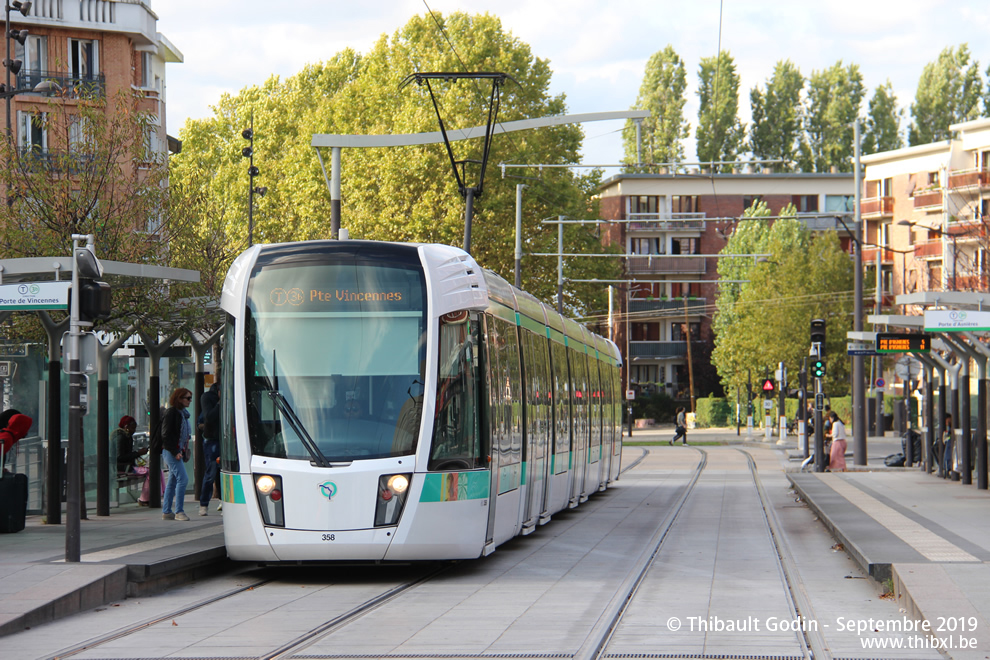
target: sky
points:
(597, 49)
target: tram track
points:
(284, 650)
(811, 642)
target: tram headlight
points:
(391, 497)
(269, 491)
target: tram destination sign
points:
(903, 343)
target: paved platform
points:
(131, 552)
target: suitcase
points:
(13, 500)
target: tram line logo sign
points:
(329, 489)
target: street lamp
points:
(941, 234)
(13, 66)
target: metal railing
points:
(659, 264)
(665, 222)
(694, 305)
(65, 85)
(37, 160)
(657, 349)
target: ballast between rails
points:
(396, 402)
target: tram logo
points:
(328, 489)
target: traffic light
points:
(818, 331)
(818, 368)
(94, 300)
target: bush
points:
(713, 412)
(658, 407)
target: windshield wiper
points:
(290, 416)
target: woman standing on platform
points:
(175, 451)
(837, 456)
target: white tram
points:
(395, 402)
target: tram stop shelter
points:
(42, 460)
(958, 322)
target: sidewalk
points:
(131, 552)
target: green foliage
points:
(720, 133)
(776, 130)
(713, 412)
(662, 93)
(883, 122)
(765, 319)
(834, 98)
(410, 193)
(658, 407)
(948, 93)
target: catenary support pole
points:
(859, 395)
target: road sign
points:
(903, 343)
(768, 386)
(630, 395)
(5, 369)
(34, 296)
(881, 382)
(768, 404)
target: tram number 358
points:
(329, 537)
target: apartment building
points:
(83, 49)
(926, 210)
(671, 227)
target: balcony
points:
(877, 207)
(664, 222)
(962, 179)
(694, 305)
(663, 264)
(928, 199)
(928, 249)
(870, 256)
(657, 349)
(36, 160)
(72, 87)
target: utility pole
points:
(687, 338)
(859, 396)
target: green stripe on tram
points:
(232, 488)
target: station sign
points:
(903, 343)
(956, 320)
(34, 295)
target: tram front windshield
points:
(339, 347)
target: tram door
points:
(537, 417)
(579, 389)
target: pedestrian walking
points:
(175, 452)
(681, 422)
(837, 454)
(209, 426)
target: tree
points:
(403, 194)
(883, 122)
(720, 133)
(948, 93)
(834, 98)
(986, 96)
(776, 129)
(662, 93)
(764, 320)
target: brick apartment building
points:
(84, 48)
(671, 226)
(928, 207)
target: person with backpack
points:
(175, 451)
(209, 426)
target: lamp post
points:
(13, 66)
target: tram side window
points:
(228, 443)
(456, 443)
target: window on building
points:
(985, 209)
(685, 245)
(750, 200)
(805, 203)
(84, 58)
(644, 331)
(684, 204)
(677, 331)
(839, 203)
(32, 130)
(34, 55)
(643, 374)
(983, 161)
(644, 290)
(651, 245)
(692, 289)
(644, 204)
(147, 74)
(887, 188)
(933, 179)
